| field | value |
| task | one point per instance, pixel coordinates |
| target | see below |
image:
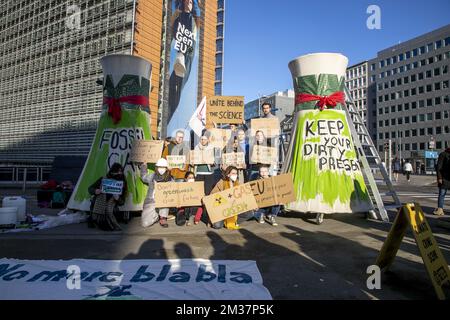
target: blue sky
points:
(262, 36)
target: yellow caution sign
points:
(437, 268)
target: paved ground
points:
(298, 259)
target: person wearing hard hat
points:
(150, 214)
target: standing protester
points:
(266, 108)
(243, 143)
(270, 212)
(103, 205)
(443, 179)
(259, 140)
(396, 167)
(408, 170)
(150, 213)
(179, 148)
(205, 172)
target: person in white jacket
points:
(408, 170)
(150, 214)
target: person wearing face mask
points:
(186, 215)
(150, 214)
(103, 205)
(269, 213)
(229, 180)
(234, 147)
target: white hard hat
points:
(162, 163)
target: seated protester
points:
(187, 214)
(229, 180)
(269, 212)
(162, 174)
(103, 205)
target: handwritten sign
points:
(219, 137)
(176, 162)
(263, 154)
(146, 151)
(110, 186)
(223, 109)
(412, 215)
(236, 159)
(230, 202)
(269, 126)
(274, 190)
(179, 194)
(202, 156)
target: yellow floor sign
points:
(437, 268)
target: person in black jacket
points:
(103, 204)
(443, 179)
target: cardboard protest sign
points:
(274, 190)
(219, 137)
(110, 186)
(229, 203)
(411, 215)
(176, 162)
(236, 159)
(202, 156)
(146, 151)
(179, 194)
(223, 109)
(269, 126)
(263, 154)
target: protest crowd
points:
(222, 159)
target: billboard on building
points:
(185, 25)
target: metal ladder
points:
(370, 159)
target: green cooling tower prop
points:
(321, 156)
(125, 117)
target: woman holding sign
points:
(109, 192)
(149, 213)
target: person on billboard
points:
(185, 25)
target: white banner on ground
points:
(196, 279)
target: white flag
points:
(198, 119)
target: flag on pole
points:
(198, 119)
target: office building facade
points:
(49, 56)
(413, 97)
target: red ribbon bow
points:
(324, 101)
(114, 109)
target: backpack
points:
(58, 199)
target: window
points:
(408, 54)
(415, 52)
(429, 102)
(447, 41)
(414, 119)
(429, 47)
(407, 147)
(438, 145)
(399, 81)
(437, 101)
(399, 107)
(386, 110)
(218, 74)
(422, 50)
(414, 147)
(421, 117)
(430, 131)
(414, 105)
(429, 88)
(400, 57)
(420, 76)
(430, 60)
(429, 117)
(413, 78)
(423, 62)
(394, 59)
(219, 45)
(400, 121)
(386, 123)
(437, 86)
(406, 93)
(372, 67)
(421, 90)
(413, 91)
(380, 110)
(438, 44)
(380, 136)
(429, 74)
(414, 132)
(393, 122)
(380, 124)
(386, 135)
(382, 64)
(406, 120)
(407, 132)
(422, 146)
(437, 71)
(438, 130)
(405, 80)
(421, 131)
(437, 115)
(393, 135)
(219, 59)
(406, 106)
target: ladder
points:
(369, 159)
